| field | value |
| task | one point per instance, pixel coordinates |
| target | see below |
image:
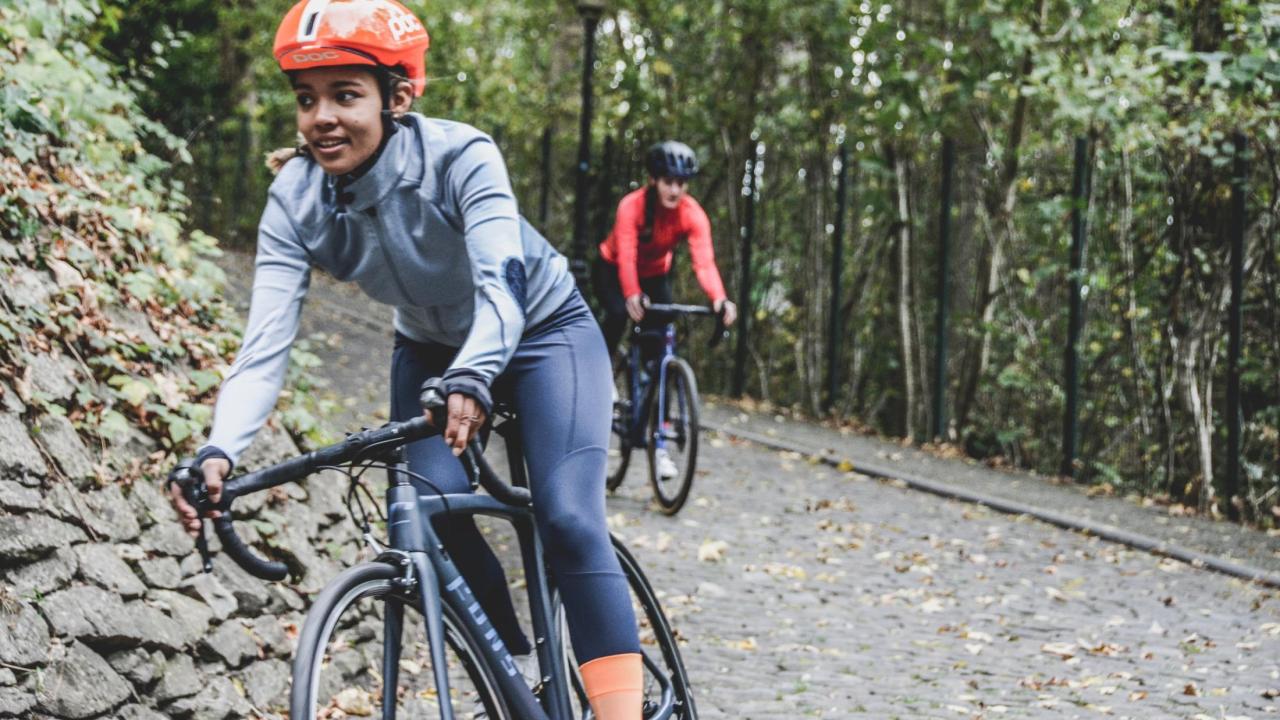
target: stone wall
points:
(104, 612)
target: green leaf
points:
(179, 430)
(113, 425)
(131, 390)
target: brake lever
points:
(202, 544)
(721, 331)
(191, 481)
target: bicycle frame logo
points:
(459, 587)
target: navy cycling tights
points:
(557, 382)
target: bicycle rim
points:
(657, 643)
(678, 430)
(338, 670)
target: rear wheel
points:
(619, 453)
(673, 429)
(666, 686)
(618, 460)
(342, 665)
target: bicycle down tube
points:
(409, 522)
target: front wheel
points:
(673, 432)
(361, 654)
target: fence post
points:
(244, 171)
(837, 267)
(546, 179)
(1080, 202)
(1231, 479)
(944, 293)
(590, 11)
(744, 281)
(604, 190)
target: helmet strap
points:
(386, 85)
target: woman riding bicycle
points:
(420, 213)
(634, 265)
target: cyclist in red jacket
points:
(635, 260)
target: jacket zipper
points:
(386, 258)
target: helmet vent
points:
(310, 19)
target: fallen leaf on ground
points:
(1062, 650)
(712, 551)
(932, 605)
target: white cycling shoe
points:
(666, 467)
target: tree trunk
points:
(1197, 407)
(1140, 370)
(903, 252)
(1000, 203)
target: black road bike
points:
(403, 635)
(660, 411)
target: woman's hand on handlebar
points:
(729, 310)
(464, 418)
(215, 470)
(636, 305)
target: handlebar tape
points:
(501, 491)
(244, 557)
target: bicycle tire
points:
(374, 580)
(615, 475)
(655, 620)
(671, 494)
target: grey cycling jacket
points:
(431, 229)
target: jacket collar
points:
(384, 176)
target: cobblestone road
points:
(838, 596)
(802, 591)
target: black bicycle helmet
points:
(671, 159)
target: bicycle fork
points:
(657, 386)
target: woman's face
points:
(670, 190)
(340, 115)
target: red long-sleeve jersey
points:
(636, 259)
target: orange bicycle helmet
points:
(378, 33)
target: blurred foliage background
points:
(1159, 87)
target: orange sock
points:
(614, 686)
